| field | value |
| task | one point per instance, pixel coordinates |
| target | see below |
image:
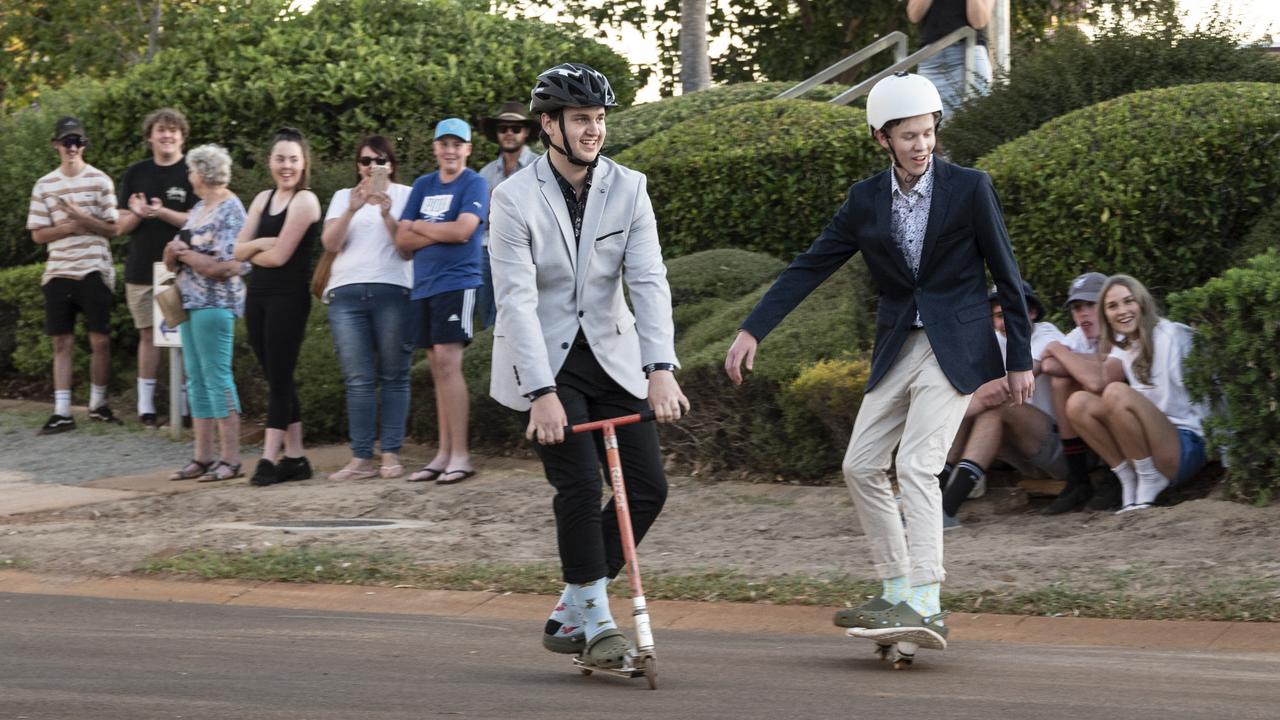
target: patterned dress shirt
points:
(910, 219)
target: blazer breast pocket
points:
(615, 235)
(974, 312)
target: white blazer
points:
(545, 286)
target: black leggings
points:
(590, 543)
(277, 325)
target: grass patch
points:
(1253, 600)
(8, 562)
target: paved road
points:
(70, 658)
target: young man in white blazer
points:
(565, 233)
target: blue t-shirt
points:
(444, 267)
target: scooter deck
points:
(645, 666)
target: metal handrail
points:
(966, 33)
(896, 39)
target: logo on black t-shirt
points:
(176, 195)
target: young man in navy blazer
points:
(928, 230)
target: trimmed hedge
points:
(761, 176)
(1161, 184)
(780, 422)
(1069, 71)
(637, 124)
(340, 71)
(705, 282)
(1235, 363)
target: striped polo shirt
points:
(78, 255)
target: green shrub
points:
(1069, 71)
(762, 176)
(340, 71)
(1159, 184)
(636, 124)
(765, 426)
(26, 352)
(704, 282)
(1263, 235)
(1235, 363)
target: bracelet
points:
(531, 396)
(651, 367)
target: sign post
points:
(167, 337)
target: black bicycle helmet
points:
(571, 85)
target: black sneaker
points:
(57, 424)
(265, 474)
(148, 420)
(1071, 499)
(102, 413)
(1108, 496)
(298, 468)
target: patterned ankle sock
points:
(896, 589)
(926, 599)
(968, 473)
(565, 620)
(593, 599)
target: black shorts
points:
(64, 297)
(446, 318)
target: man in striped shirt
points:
(73, 213)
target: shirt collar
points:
(923, 186)
(565, 187)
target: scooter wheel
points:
(584, 671)
(651, 672)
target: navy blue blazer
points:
(965, 233)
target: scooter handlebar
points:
(646, 416)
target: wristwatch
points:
(534, 395)
(670, 367)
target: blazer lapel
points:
(937, 208)
(598, 195)
(884, 225)
(555, 200)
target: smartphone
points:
(379, 178)
(185, 236)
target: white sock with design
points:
(1128, 483)
(592, 598)
(896, 589)
(146, 396)
(926, 599)
(62, 403)
(566, 619)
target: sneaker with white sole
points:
(901, 623)
(57, 424)
(102, 413)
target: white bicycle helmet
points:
(901, 95)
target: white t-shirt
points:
(369, 255)
(1172, 342)
(1076, 342)
(1042, 333)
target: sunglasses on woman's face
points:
(367, 161)
(73, 141)
(504, 129)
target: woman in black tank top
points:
(279, 237)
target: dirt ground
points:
(504, 515)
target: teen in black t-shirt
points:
(155, 195)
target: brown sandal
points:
(192, 470)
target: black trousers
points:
(590, 543)
(277, 325)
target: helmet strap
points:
(566, 151)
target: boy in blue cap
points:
(442, 225)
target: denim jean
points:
(946, 71)
(372, 328)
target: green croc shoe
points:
(856, 617)
(901, 623)
(607, 650)
(565, 644)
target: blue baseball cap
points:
(456, 127)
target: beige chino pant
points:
(916, 409)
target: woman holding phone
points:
(278, 238)
(369, 309)
(208, 276)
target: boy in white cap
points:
(928, 231)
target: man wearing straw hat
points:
(510, 130)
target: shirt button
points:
(564, 346)
(581, 313)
